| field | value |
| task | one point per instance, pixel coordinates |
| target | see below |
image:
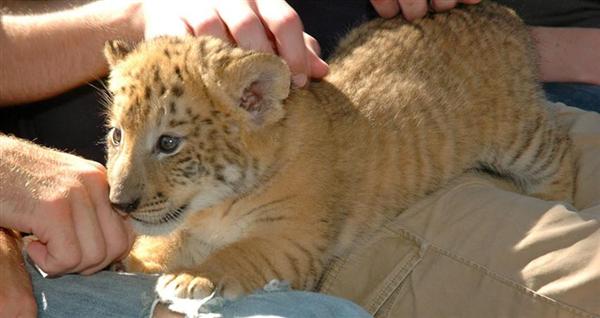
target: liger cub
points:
(234, 178)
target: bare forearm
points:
(37, 7)
(568, 54)
(18, 182)
(45, 55)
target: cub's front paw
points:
(183, 285)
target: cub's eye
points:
(168, 144)
(115, 136)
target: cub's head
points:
(193, 121)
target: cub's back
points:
(474, 58)
(455, 91)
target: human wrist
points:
(131, 20)
(16, 195)
(121, 19)
(70, 42)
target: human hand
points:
(414, 9)
(16, 295)
(62, 199)
(264, 25)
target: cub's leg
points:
(557, 180)
(244, 267)
(149, 254)
(542, 161)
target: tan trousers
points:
(477, 249)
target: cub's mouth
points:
(171, 217)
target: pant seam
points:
(376, 302)
(512, 284)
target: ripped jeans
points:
(111, 294)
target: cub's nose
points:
(126, 207)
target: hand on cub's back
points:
(270, 26)
(415, 9)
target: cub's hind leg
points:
(542, 160)
(553, 178)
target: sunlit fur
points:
(276, 182)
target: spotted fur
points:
(273, 183)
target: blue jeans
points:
(584, 96)
(111, 294)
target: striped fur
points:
(275, 183)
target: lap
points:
(112, 294)
(104, 294)
(479, 249)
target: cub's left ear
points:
(256, 84)
(116, 50)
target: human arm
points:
(46, 54)
(568, 54)
(63, 200)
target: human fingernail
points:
(299, 80)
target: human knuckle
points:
(57, 203)
(310, 40)
(116, 248)
(93, 174)
(286, 22)
(96, 166)
(69, 260)
(120, 247)
(77, 187)
(207, 24)
(58, 210)
(96, 255)
(69, 256)
(247, 22)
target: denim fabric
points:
(111, 294)
(291, 304)
(104, 294)
(584, 96)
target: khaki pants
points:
(477, 249)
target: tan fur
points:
(275, 183)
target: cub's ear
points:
(255, 85)
(116, 50)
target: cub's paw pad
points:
(173, 286)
